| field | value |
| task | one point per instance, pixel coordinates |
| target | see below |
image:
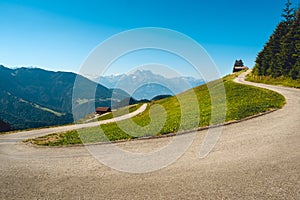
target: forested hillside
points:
(32, 97)
(280, 56)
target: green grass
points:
(114, 113)
(178, 113)
(283, 81)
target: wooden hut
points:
(102, 110)
(239, 66)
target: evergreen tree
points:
(288, 13)
(238, 63)
(294, 37)
(279, 51)
(281, 54)
(241, 63)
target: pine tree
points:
(288, 13)
(281, 54)
(294, 36)
(281, 50)
(238, 63)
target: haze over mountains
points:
(144, 84)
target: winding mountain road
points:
(22, 135)
(255, 159)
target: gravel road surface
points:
(255, 159)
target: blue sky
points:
(60, 34)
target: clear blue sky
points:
(59, 34)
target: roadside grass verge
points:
(166, 115)
(283, 81)
(115, 113)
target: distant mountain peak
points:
(145, 84)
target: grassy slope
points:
(110, 115)
(284, 81)
(241, 101)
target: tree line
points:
(281, 54)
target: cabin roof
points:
(102, 109)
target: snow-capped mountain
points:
(144, 84)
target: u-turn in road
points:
(255, 159)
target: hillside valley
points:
(33, 97)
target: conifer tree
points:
(294, 36)
(281, 54)
(288, 13)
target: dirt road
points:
(254, 159)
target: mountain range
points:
(33, 97)
(144, 84)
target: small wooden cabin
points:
(239, 66)
(102, 110)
